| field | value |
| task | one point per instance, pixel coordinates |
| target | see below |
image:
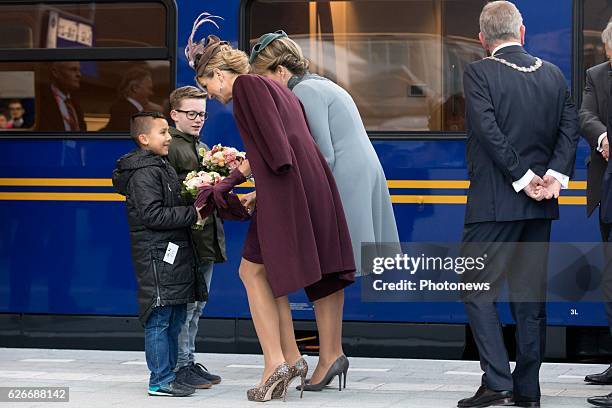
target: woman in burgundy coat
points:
(298, 237)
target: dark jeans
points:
(161, 342)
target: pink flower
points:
(222, 159)
(191, 183)
(230, 156)
(203, 182)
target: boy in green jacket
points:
(188, 111)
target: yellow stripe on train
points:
(36, 196)
(396, 199)
(104, 182)
(461, 199)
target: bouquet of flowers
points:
(194, 181)
(221, 159)
(216, 164)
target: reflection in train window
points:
(78, 96)
(17, 102)
(595, 19)
(82, 25)
(402, 61)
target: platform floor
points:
(119, 379)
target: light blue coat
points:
(337, 128)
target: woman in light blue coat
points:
(339, 132)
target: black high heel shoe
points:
(339, 368)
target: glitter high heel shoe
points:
(279, 378)
(298, 369)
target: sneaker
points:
(203, 372)
(172, 389)
(186, 375)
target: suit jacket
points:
(49, 116)
(515, 121)
(593, 115)
(120, 114)
(606, 188)
(25, 125)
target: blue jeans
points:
(189, 330)
(161, 342)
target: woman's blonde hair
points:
(282, 51)
(226, 59)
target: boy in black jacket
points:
(162, 251)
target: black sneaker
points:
(186, 375)
(203, 373)
(173, 389)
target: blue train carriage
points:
(66, 277)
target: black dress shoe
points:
(601, 378)
(603, 401)
(485, 397)
(526, 403)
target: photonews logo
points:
(416, 264)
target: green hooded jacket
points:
(183, 156)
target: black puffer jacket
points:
(157, 215)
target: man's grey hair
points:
(606, 35)
(500, 21)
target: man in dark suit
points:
(522, 132)
(59, 111)
(593, 115)
(135, 90)
(596, 125)
(593, 121)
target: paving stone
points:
(101, 379)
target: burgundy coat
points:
(302, 231)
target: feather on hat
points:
(199, 53)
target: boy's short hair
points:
(140, 123)
(185, 92)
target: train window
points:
(595, 19)
(57, 25)
(81, 96)
(81, 69)
(402, 61)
